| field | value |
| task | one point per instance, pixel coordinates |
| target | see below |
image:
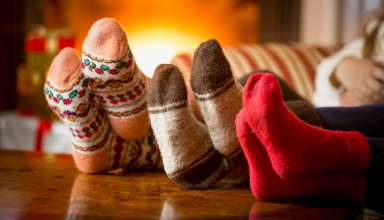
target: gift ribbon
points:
(43, 44)
(43, 128)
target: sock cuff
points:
(352, 189)
(358, 152)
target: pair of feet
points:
(103, 96)
(291, 160)
(103, 100)
(198, 155)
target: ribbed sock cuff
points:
(352, 189)
(358, 153)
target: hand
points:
(346, 100)
(363, 79)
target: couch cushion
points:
(295, 63)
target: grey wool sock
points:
(219, 98)
(185, 146)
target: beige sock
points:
(186, 148)
(220, 99)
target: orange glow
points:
(156, 46)
(158, 30)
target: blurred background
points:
(33, 31)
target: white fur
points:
(326, 94)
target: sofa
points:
(295, 63)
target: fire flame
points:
(159, 45)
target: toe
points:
(64, 71)
(106, 54)
(66, 87)
(106, 39)
(167, 86)
(210, 68)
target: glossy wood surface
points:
(47, 186)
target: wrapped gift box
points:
(30, 133)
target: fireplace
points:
(157, 30)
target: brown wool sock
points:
(186, 148)
(219, 99)
(306, 112)
(295, 102)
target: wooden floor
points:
(47, 186)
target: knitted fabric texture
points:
(92, 134)
(267, 185)
(294, 147)
(186, 148)
(119, 85)
(217, 95)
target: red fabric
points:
(35, 44)
(38, 44)
(295, 147)
(307, 160)
(43, 128)
(25, 112)
(66, 42)
(266, 185)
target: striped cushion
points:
(295, 63)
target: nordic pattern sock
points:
(186, 148)
(267, 185)
(96, 148)
(115, 79)
(296, 148)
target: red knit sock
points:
(266, 185)
(296, 148)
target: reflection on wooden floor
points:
(45, 186)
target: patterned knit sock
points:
(267, 185)
(219, 99)
(186, 149)
(297, 148)
(96, 148)
(117, 82)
